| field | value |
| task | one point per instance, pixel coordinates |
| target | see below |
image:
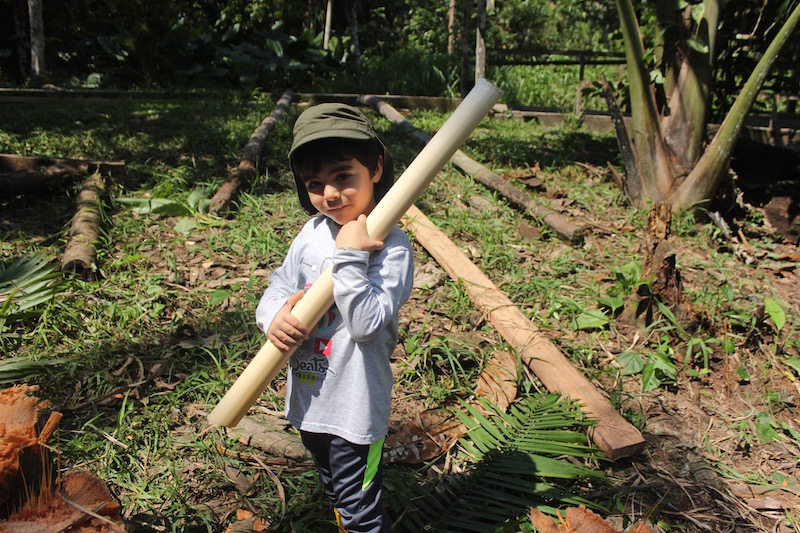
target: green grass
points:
(137, 357)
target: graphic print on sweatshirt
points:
(309, 364)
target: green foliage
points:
(520, 463)
(25, 285)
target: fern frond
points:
(518, 464)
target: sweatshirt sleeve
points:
(369, 291)
(281, 286)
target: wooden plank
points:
(612, 433)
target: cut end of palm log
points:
(34, 497)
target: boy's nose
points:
(331, 193)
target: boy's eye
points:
(343, 177)
(312, 185)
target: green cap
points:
(336, 121)
(332, 120)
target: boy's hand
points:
(354, 235)
(286, 331)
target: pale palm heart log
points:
(319, 298)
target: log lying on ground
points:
(23, 175)
(251, 153)
(560, 224)
(612, 433)
(80, 253)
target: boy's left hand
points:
(354, 235)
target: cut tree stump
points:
(80, 253)
(519, 199)
(24, 175)
(246, 171)
(612, 433)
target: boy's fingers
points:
(294, 298)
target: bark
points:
(688, 95)
(668, 150)
(666, 287)
(21, 36)
(37, 37)
(80, 253)
(656, 173)
(451, 22)
(251, 154)
(328, 16)
(480, 42)
(633, 185)
(352, 20)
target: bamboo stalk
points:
(318, 299)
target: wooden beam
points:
(612, 433)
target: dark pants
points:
(352, 476)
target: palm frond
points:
(25, 284)
(518, 464)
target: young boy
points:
(339, 379)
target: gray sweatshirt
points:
(339, 380)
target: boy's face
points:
(343, 190)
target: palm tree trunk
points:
(655, 167)
(688, 98)
(702, 182)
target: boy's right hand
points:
(286, 330)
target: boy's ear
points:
(376, 176)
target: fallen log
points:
(23, 174)
(612, 433)
(519, 199)
(80, 253)
(246, 171)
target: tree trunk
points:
(480, 42)
(688, 86)
(451, 23)
(703, 181)
(669, 148)
(248, 165)
(80, 254)
(328, 16)
(352, 19)
(25, 175)
(37, 37)
(465, 50)
(655, 169)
